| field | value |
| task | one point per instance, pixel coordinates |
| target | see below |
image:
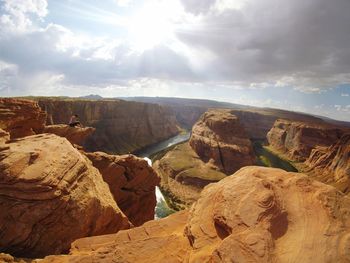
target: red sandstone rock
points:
(219, 138)
(21, 117)
(332, 164)
(50, 195)
(76, 135)
(132, 183)
(297, 139)
(257, 215)
(4, 136)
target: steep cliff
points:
(218, 147)
(219, 138)
(132, 183)
(257, 215)
(121, 126)
(21, 117)
(50, 196)
(332, 164)
(297, 139)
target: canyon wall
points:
(21, 117)
(121, 126)
(332, 164)
(218, 146)
(297, 139)
(320, 150)
(219, 138)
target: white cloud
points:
(123, 3)
(345, 95)
(18, 14)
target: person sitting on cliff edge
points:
(74, 121)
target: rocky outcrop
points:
(4, 136)
(297, 139)
(121, 126)
(21, 117)
(256, 215)
(332, 164)
(76, 135)
(132, 183)
(50, 195)
(183, 176)
(219, 138)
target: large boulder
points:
(257, 215)
(21, 117)
(76, 135)
(297, 139)
(132, 183)
(219, 138)
(50, 196)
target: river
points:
(268, 159)
(149, 154)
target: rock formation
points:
(121, 126)
(50, 196)
(219, 138)
(332, 164)
(76, 135)
(4, 136)
(257, 215)
(297, 139)
(21, 117)
(132, 183)
(183, 176)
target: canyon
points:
(54, 192)
(320, 150)
(67, 201)
(121, 126)
(218, 147)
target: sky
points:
(289, 54)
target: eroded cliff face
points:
(50, 196)
(297, 139)
(219, 138)
(251, 216)
(332, 164)
(21, 117)
(121, 126)
(218, 147)
(132, 183)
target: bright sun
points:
(153, 24)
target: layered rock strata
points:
(21, 117)
(297, 139)
(132, 183)
(50, 195)
(332, 164)
(121, 126)
(257, 215)
(219, 138)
